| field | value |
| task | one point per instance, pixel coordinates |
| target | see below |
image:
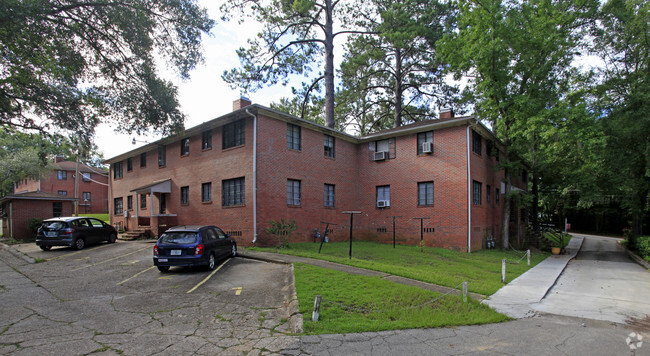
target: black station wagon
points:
(75, 231)
(191, 246)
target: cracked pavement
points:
(101, 301)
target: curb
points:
(574, 254)
(638, 259)
(263, 259)
(17, 253)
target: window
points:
(293, 192)
(162, 155)
(63, 192)
(85, 177)
(489, 147)
(57, 209)
(129, 202)
(206, 192)
(234, 192)
(117, 206)
(185, 146)
(477, 187)
(62, 175)
(143, 201)
(117, 170)
(206, 140)
(425, 193)
(497, 196)
(86, 197)
(383, 146)
(293, 137)
(383, 195)
(488, 193)
(329, 146)
(524, 176)
(422, 138)
(129, 164)
(95, 222)
(185, 195)
(328, 195)
(143, 159)
(234, 134)
(476, 142)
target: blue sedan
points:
(191, 246)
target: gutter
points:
(254, 174)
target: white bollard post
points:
(465, 292)
(503, 271)
(528, 256)
(314, 314)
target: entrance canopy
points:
(160, 186)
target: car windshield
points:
(178, 237)
(54, 225)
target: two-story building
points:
(255, 164)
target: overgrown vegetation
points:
(282, 230)
(354, 303)
(640, 244)
(482, 269)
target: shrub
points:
(33, 224)
(282, 230)
(642, 246)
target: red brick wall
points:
(24, 210)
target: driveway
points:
(601, 283)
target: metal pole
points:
(351, 222)
(421, 234)
(316, 312)
(465, 292)
(394, 229)
(503, 271)
(528, 256)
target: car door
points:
(99, 231)
(210, 241)
(85, 230)
(224, 242)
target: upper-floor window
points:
(293, 137)
(206, 140)
(129, 164)
(293, 192)
(206, 192)
(185, 195)
(143, 159)
(234, 134)
(476, 142)
(85, 177)
(185, 146)
(488, 193)
(382, 149)
(86, 196)
(383, 196)
(425, 193)
(117, 170)
(62, 175)
(425, 142)
(477, 189)
(328, 142)
(497, 195)
(328, 195)
(162, 156)
(234, 192)
(63, 192)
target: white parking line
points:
(135, 275)
(76, 252)
(111, 259)
(208, 277)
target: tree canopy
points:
(71, 64)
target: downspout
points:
(469, 190)
(254, 174)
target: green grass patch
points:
(481, 269)
(355, 303)
(103, 217)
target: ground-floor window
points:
(118, 206)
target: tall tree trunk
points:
(329, 66)
(398, 88)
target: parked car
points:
(192, 246)
(75, 231)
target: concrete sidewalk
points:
(517, 297)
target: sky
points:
(205, 96)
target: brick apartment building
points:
(255, 164)
(92, 189)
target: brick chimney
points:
(446, 113)
(58, 158)
(240, 103)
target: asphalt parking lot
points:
(110, 299)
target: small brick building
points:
(17, 209)
(255, 164)
(92, 189)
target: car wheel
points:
(163, 268)
(79, 244)
(233, 253)
(211, 262)
(45, 248)
(112, 238)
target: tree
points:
(395, 68)
(518, 56)
(623, 42)
(296, 34)
(71, 64)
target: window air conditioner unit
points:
(380, 156)
(427, 147)
(383, 203)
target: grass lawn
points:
(354, 303)
(482, 269)
(103, 217)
